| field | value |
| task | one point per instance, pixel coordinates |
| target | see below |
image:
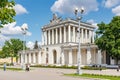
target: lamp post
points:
(24, 32)
(79, 71)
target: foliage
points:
(2, 55)
(7, 12)
(11, 47)
(36, 45)
(98, 76)
(108, 37)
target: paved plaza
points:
(50, 74)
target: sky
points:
(36, 13)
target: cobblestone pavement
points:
(49, 74)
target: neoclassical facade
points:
(60, 45)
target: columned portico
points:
(61, 44)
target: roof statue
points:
(55, 19)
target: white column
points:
(45, 37)
(92, 36)
(21, 58)
(64, 34)
(69, 33)
(81, 35)
(86, 36)
(56, 35)
(62, 57)
(73, 34)
(34, 58)
(70, 57)
(49, 36)
(99, 57)
(29, 57)
(52, 36)
(25, 58)
(89, 36)
(60, 34)
(39, 57)
(89, 56)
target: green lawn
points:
(13, 69)
(95, 76)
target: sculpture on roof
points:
(55, 18)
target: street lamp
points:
(79, 71)
(24, 32)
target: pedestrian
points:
(118, 67)
(27, 67)
(100, 67)
(4, 66)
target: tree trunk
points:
(116, 61)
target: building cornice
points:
(65, 23)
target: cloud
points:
(11, 31)
(19, 9)
(91, 21)
(116, 10)
(30, 44)
(68, 6)
(111, 3)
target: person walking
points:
(4, 66)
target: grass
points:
(108, 77)
(69, 67)
(13, 69)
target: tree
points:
(36, 45)
(109, 37)
(11, 48)
(7, 12)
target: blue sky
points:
(37, 13)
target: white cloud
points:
(111, 3)
(68, 6)
(11, 31)
(19, 9)
(30, 44)
(116, 10)
(91, 21)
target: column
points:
(56, 35)
(34, 61)
(39, 57)
(25, 58)
(52, 36)
(86, 36)
(60, 34)
(21, 58)
(64, 34)
(70, 57)
(73, 34)
(99, 57)
(89, 56)
(89, 36)
(49, 36)
(29, 57)
(62, 57)
(43, 43)
(81, 35)
(92, 36)
(45, 35)
(69, 33)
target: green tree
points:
(7, 12)
(11, 48)
(36, 45)
(108, 37)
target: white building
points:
(60, 45)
